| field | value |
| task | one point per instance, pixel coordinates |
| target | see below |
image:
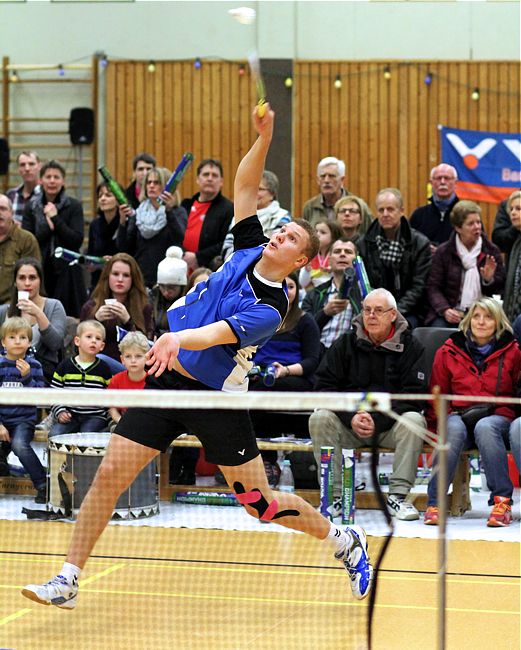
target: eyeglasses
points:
(349, 211)
(152, 182)
(263, 189)
(377, 311)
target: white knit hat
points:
(173, 269)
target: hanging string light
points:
(387, 73)
(338, 82)
(475, 95)
(61, 70)
(288, 82)
(197, 63)
(14, 78)
(428, 79)
(104, 61)
(242, 70)
(151, 67)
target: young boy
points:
(18, 422)
(133, 347)
(84, 370)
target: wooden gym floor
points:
(155, 588)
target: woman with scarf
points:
(465, 268)
(56, 220)
(481, 359)
(156, 224)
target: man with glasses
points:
(433, 219)
(379, 354)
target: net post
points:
(440, 406)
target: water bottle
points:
(286, 482)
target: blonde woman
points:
(147, 232)
(481, 359)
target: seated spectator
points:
(293, 353)
(171, 284)
(102, 229)
(504, 234)
(200, 274)
(29, 171)
(119, 299)
(83, 370)
(45, 315)
(147, 232)
(332, 312)
(512, 294)
(56, 220)
(331, 174)
(464, 269)
(271, 215)
(480, 359)
(318, 270)
(379, 354)
(14, 243)
(433, 219)
(397, 257)
(353, 216)
(17, 423)
(133, 347)
(142, 163)
(209, 216)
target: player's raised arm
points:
(249, 172)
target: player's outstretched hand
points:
(264, 125)
(163, 354)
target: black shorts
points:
(227, 436)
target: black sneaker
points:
(41, 495)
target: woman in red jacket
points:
(482, 358)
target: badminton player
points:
(214, 331)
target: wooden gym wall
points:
(384, 129)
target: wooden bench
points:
(458, 502)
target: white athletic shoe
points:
(356, 562)
(58, 592)
(400, 508)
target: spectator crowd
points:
(377, 277)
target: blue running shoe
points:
(58, 592)
(356, 562)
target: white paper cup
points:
(23, 295)
(110, 301)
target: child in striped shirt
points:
(84, 370)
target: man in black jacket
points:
(433, 219)
(378, 355)
(333, 312)
(209, 216)
(397, 257)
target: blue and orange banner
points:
(488, 163)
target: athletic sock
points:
(70, 572)
(339, 537)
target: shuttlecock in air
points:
(243, 15)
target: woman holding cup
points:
(119, 300)
(46, 315)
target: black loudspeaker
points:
(4, 157)
(81, 126)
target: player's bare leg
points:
(252, 490)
